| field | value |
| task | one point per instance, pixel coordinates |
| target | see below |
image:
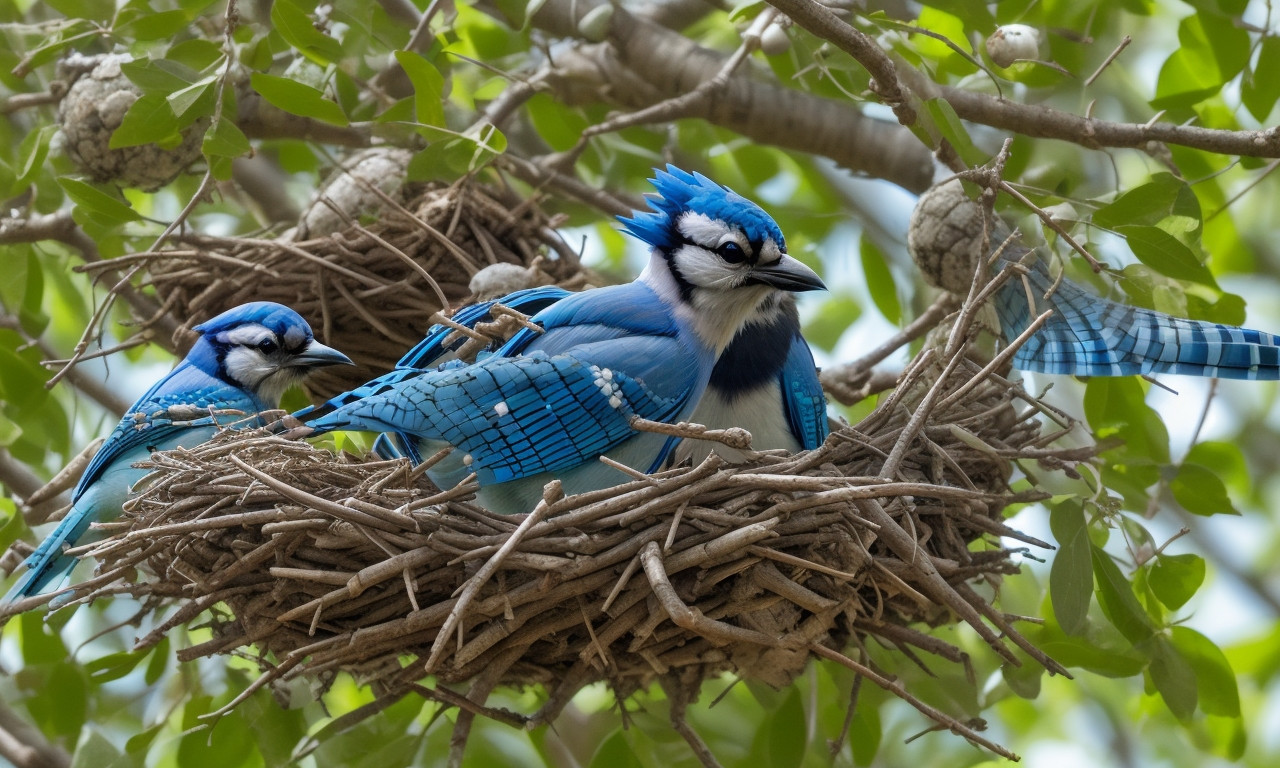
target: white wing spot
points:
(615, 402)
(501, 409)
(466, 459)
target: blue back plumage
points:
(1091, 336)
(183, 409)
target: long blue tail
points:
(1092, 336)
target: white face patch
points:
(711, 233)
(249, 335)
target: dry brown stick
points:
(688, 618)
(896, 688)
(482, 576)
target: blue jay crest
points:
(680, 192)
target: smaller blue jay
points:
(242, 362)
(547, 405)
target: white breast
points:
(759, 412)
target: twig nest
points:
(369, 184)
(945, 237)
(95, 106)
(369, 289)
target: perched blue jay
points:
(1088, 335)
(765, 381)
(547, 405)
(243, 361)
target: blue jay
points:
(1091, 336)
(765, 381)
(547, 405)
(243, 361)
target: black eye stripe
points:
(749, 257)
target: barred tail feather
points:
(1091, 336)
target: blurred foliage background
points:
(1173, 635)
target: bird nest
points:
(314, 563)
(324, 563)
(370, 290)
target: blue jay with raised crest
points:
(546, 405)
(242, 362)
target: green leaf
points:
(875, 269)
(1261, 89)
(615, 752)
(1215, 680)
(297, 98)
(225, 139)
(1200, 491)
(1071, 575)
(148, 121)
(159, 76)
(94, 751)
(182, 100)
(154, 25)
(784, 732)
(33, 150)
(96, 201)
(159, 661)
(1118, 602)
(1173, 678)
(428, 87)
(949, 127)
(1166, 254)
(1146, 204)
(1175, 578)
(93, 10)
(298, 30)
(1212, 50)
(113, 666)
(560, 125)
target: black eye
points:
(267, 346)
(732, 253)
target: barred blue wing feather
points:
(802, 398)
(437, 347)
(1091, 336)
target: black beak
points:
(787, 274)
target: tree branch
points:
(25, 746)
(642, 63)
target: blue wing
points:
(516, 417)
(177, 403)
(1091, 336)
(566, 399)
(437, 348)
(802, 396)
